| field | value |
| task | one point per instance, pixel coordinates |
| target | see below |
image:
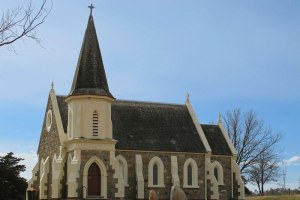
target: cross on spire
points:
(91, 7)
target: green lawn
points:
(291, 197)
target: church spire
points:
(90, 78)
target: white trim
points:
(49, 120)
(120, 186)
(139, 176)
(214, 186)
(73, 168)
(70, 124)
(103, 177)
(88, 144)
(226, 136)
(44, 170)
(57, 172)
(236, 169)
(60, 128)
(197, 125)
(124, 168)
(34, 176)
(174, 171)
(218, 166)
(194, 166)
(160, 172)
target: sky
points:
(225, 54)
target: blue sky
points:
(225, 54)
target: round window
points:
(49, 120)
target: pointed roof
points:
(90, 78)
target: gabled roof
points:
(63, 109)
(154, 127)
(149, 126)
(157, 127)
(216, 139)
(90, 78)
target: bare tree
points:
(283, 173)
(22, 22)
(264, 170)
(250, 137)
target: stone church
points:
(95, 146)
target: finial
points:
(52, 85)
(187, 100)
(220, 118)
(91, 7)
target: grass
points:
(288, 197)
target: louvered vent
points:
(95, 123)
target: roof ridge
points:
(147, 102)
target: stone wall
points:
(105, 157)
(48, 145)
(225, 161)
(235, 187)
(163, 193)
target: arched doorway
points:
(94, 180)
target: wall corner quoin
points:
(44, 170)
(34, 177)
(57, 173)
(120, 186)
(241, 185)
(73, 170)
(213, 187)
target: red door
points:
(94, 180)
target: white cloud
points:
(30, 159)
(295, 160)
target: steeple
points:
(90, 78)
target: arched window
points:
(156, 173)
(124, 168)
(218, 172)
(70, 125)
(95, 123)
(190, 174)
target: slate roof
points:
(216, 139)
(90, 78)
(149, 126)
(63, 109)
(154, 127)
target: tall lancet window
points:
(95, 123)
(190, 175)
(155, 174)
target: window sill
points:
(191, 186)
(156, 186)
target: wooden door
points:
(94, 180)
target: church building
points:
(95, 146)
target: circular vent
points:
(49, 120)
